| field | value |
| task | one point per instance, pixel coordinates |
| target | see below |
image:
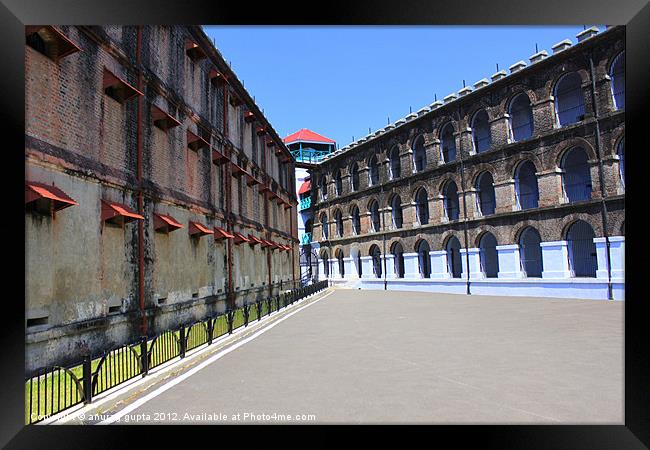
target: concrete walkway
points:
(408, 357)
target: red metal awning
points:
(218, 157)
(165, 223)
(254, 240)
(235, 100)
(271, 143)
(249, 116)
(56, 197)
(251, 180)
(220, 233)
(118, 213)
(117, 88)
(196, 142)
(264, 188)
(239, 238)
(163, 120)
(198, 229)
(236, 170)
(265, 243)
(287, 205)
(217, 77)
(261, 131)
(59, 46)
(194, 51)
(304, 187)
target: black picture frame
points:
(14, 14)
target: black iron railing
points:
(53, 389)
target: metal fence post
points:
(229, 318)
(87, 377)
(246, 312)
(144, 356)
(259, 310)
(181, 333)
(210, 331)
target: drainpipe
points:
(383, 237)
(462, 186)
(601, 177)
(143, 325)
(230, 298)
(266, 219)
(293, 244)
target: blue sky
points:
(339, 81)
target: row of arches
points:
(569, 108)
(580, 235)
(576, 183)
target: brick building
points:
(513, 186)
(157, 193)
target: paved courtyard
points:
(407, 357)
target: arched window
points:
(324, 225)
(569, 101)
(354, 179)
(530, 253)
(395, 164)
(373, 172)
(582, 250)
(419, 155)
(339, 257)
(521, 118)
(356, 220)
(338, 180)
(424, 260)
(488, 255)
(618, 81)
(453, 257)
(338, 219)
(374, 216)
(398, 254)
(576, 179)
(450, 199)
(326, 264)
(422, 206)
(355, 255)
(323, 188)
(396, 211)
(526, 186)
(485, 194)
(376, 260)
(481, 132)
(448, 143)
(621, 160)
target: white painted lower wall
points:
(556, 281)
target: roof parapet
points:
(538, 56)
(400, 122)
(562, 45)
(423, 111)
(497, 76)
(464, 91)
(449, 98)
(586, 34)
(435, 105)
(411, 116)
(516, 67)
(481, 83)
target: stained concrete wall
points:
(82, 274)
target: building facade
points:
(157, 193)
(514, 186)
(308, 148)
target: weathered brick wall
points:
(545, 149)
(86, 143)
